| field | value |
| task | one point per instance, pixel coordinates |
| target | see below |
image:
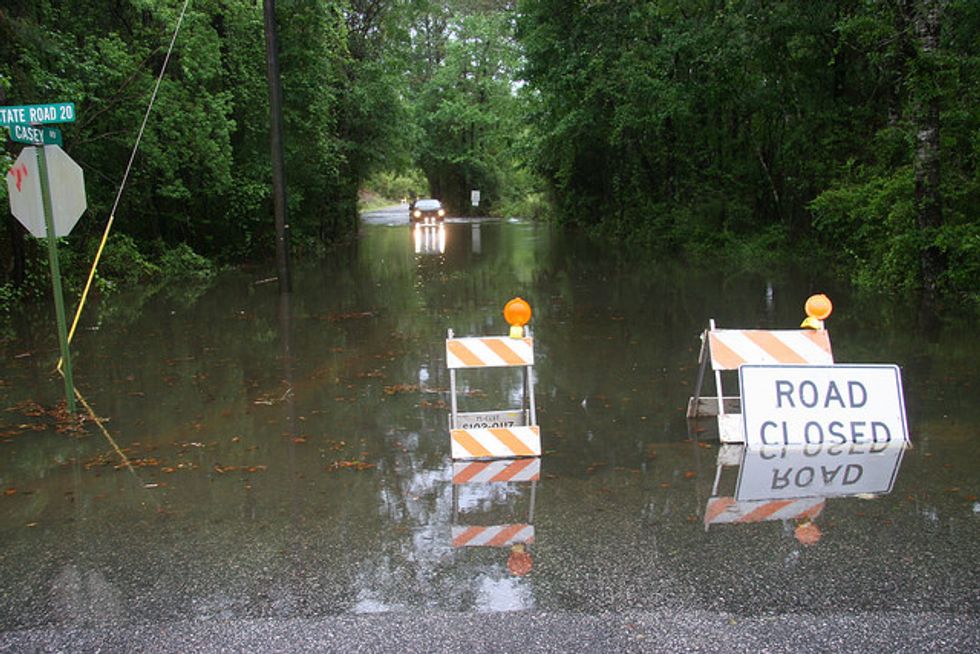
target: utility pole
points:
(278, 166)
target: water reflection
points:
(489, 511)
(429, 239)
(793, 483)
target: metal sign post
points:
(59, 301)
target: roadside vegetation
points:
(844, 132)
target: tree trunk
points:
(928, 196)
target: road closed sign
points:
(822, 405)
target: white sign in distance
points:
(781, 473)
(475, 198)
(67, 184)
(849, 404)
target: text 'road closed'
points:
(785, 405)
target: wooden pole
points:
(276, 141)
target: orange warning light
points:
(517, 312)
(519, 562)
(818, 306)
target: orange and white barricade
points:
(727, 349)
(722, 510)
(493, 434)
(480, 480)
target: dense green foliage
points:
(463, 62)
(202, 177)
(706, 126)
(847, 128)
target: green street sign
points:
(35, 135)
(38, 114)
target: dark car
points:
(427, 211)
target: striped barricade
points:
(727, 349)
(727, 510)
(507, 433)
(496, 443)
(480, 472)
(489, 352)
(493, 536)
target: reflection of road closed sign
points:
(773, 473)
(822, 405)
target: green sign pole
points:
(59, 302)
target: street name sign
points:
(844, 404)
(38, 114)
(35, 135)
(67, 184)
(781, 473)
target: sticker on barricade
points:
(496, 443)
(489, 352)
(493, 536)
(480, 472)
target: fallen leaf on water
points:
(10, 491)
(690, 474)
(349, 465)
(401, 388)
(299, 439)
(665, 484)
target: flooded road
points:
(290, 458)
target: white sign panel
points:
(67, 184)
(490, 419)
(475, 198)
(822, 405)
(779, 473)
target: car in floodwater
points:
(427, 211)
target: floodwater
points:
(290, 457)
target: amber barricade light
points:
(818, 308)
(517, 313)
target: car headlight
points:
(417, 213)
(442, 212)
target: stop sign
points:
(67, 184)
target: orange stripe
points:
(468, 443)
(467, 536)
(514, 469)
(463, 354)
(503, 351)
(512, 442)
(470, 471)
(764, 511)
(820, 338)
(813, 511)
(505, 535)
(723, 357)
(716, 508)
(774, 347)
